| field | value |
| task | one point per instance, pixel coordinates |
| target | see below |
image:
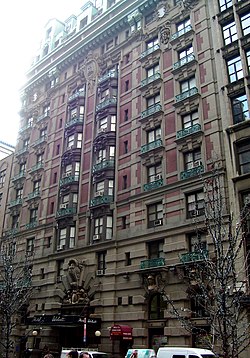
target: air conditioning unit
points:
(60, 247)
(99, 272)
(240, 287)
(158, 176)
(63, 206)
(96, 237)
(101, 130)
(158, 222)
(68, 174)
(59, 279)
(99, 193)
(197, 163)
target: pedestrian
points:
(73, 354)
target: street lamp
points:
(98, 335)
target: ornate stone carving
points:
(165, 32)
(90, 70)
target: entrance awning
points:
(122, 332)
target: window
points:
(127, 57)
(124, 182)
(153, 42)
(154, 135)
(187, 84)
(195, 204)
(22, 168)
(68, 170)
(152, 101)
(245, 198)
(234, 67)
(192, 159)
(149, 17)
(83, 22)
(125, 146)
(113, 123)
(70, 141)
(43, 132)
(248, 60)
(184, 53)
(190, 119)
(30, 245)
(240, 109)
(245, 24)
(19, 193)
(62, 239)
(130, 300)
(73, 113)
(26, 144)
(101, 155)
(39, 158)
(181, 26)
(151, 71)
(225, 4)
(197, 242)
(15, 221)
(156, 306)
(112, 152)
(81, 113)
(46, 110)
(154, 173)
(1, 197)
(79, 140)
(111, 187)
(101, 261)
(36, 186)
(155, 249)
(128, 260)
(109, 45)
(72, 234)
(2, 177)
(77, 170)
(125, 115)
(109, 227)
(59, 270)
(103, 124)
(155, 215)
(119, 301)
(243, 151)
(229, 32)
(198, 304)
(98, 226)
(30, 121)
(126, 85)
(33, 215)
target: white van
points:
(176, 352)
(92, 354)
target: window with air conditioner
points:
(154, 173)
(155, 214)
(192, 159)
(195, 204)
(98, 226)
(101, 261)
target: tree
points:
(15, 289)
(216, 279)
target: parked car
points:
(172, 352)
(92, 354)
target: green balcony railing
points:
(73, 121)
(31, 225)
(150, 79)
(189, 173)
(189, 130)
(183, 61)
(78, 94)
(12, 232)
(150, 50)
(16, 202)
(34, 194)
(110, 74)
(24, 128)
(186, 94)
(106, 103)
(40, 140)
(181, 32)
(65, 212)
(22, 151)
(99, 200)
(153, 185)
(159, 262)
(68, 180)
(43, 116)
(150, 146)
(151, 110)
(36, 167)
(105, 164)
(19, 176)
(194, 256)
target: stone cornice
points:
(103, 28)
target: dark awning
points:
(119, 331)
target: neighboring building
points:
(125, 106)
(5, 175)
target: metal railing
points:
(152, 145)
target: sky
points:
(21, 28)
